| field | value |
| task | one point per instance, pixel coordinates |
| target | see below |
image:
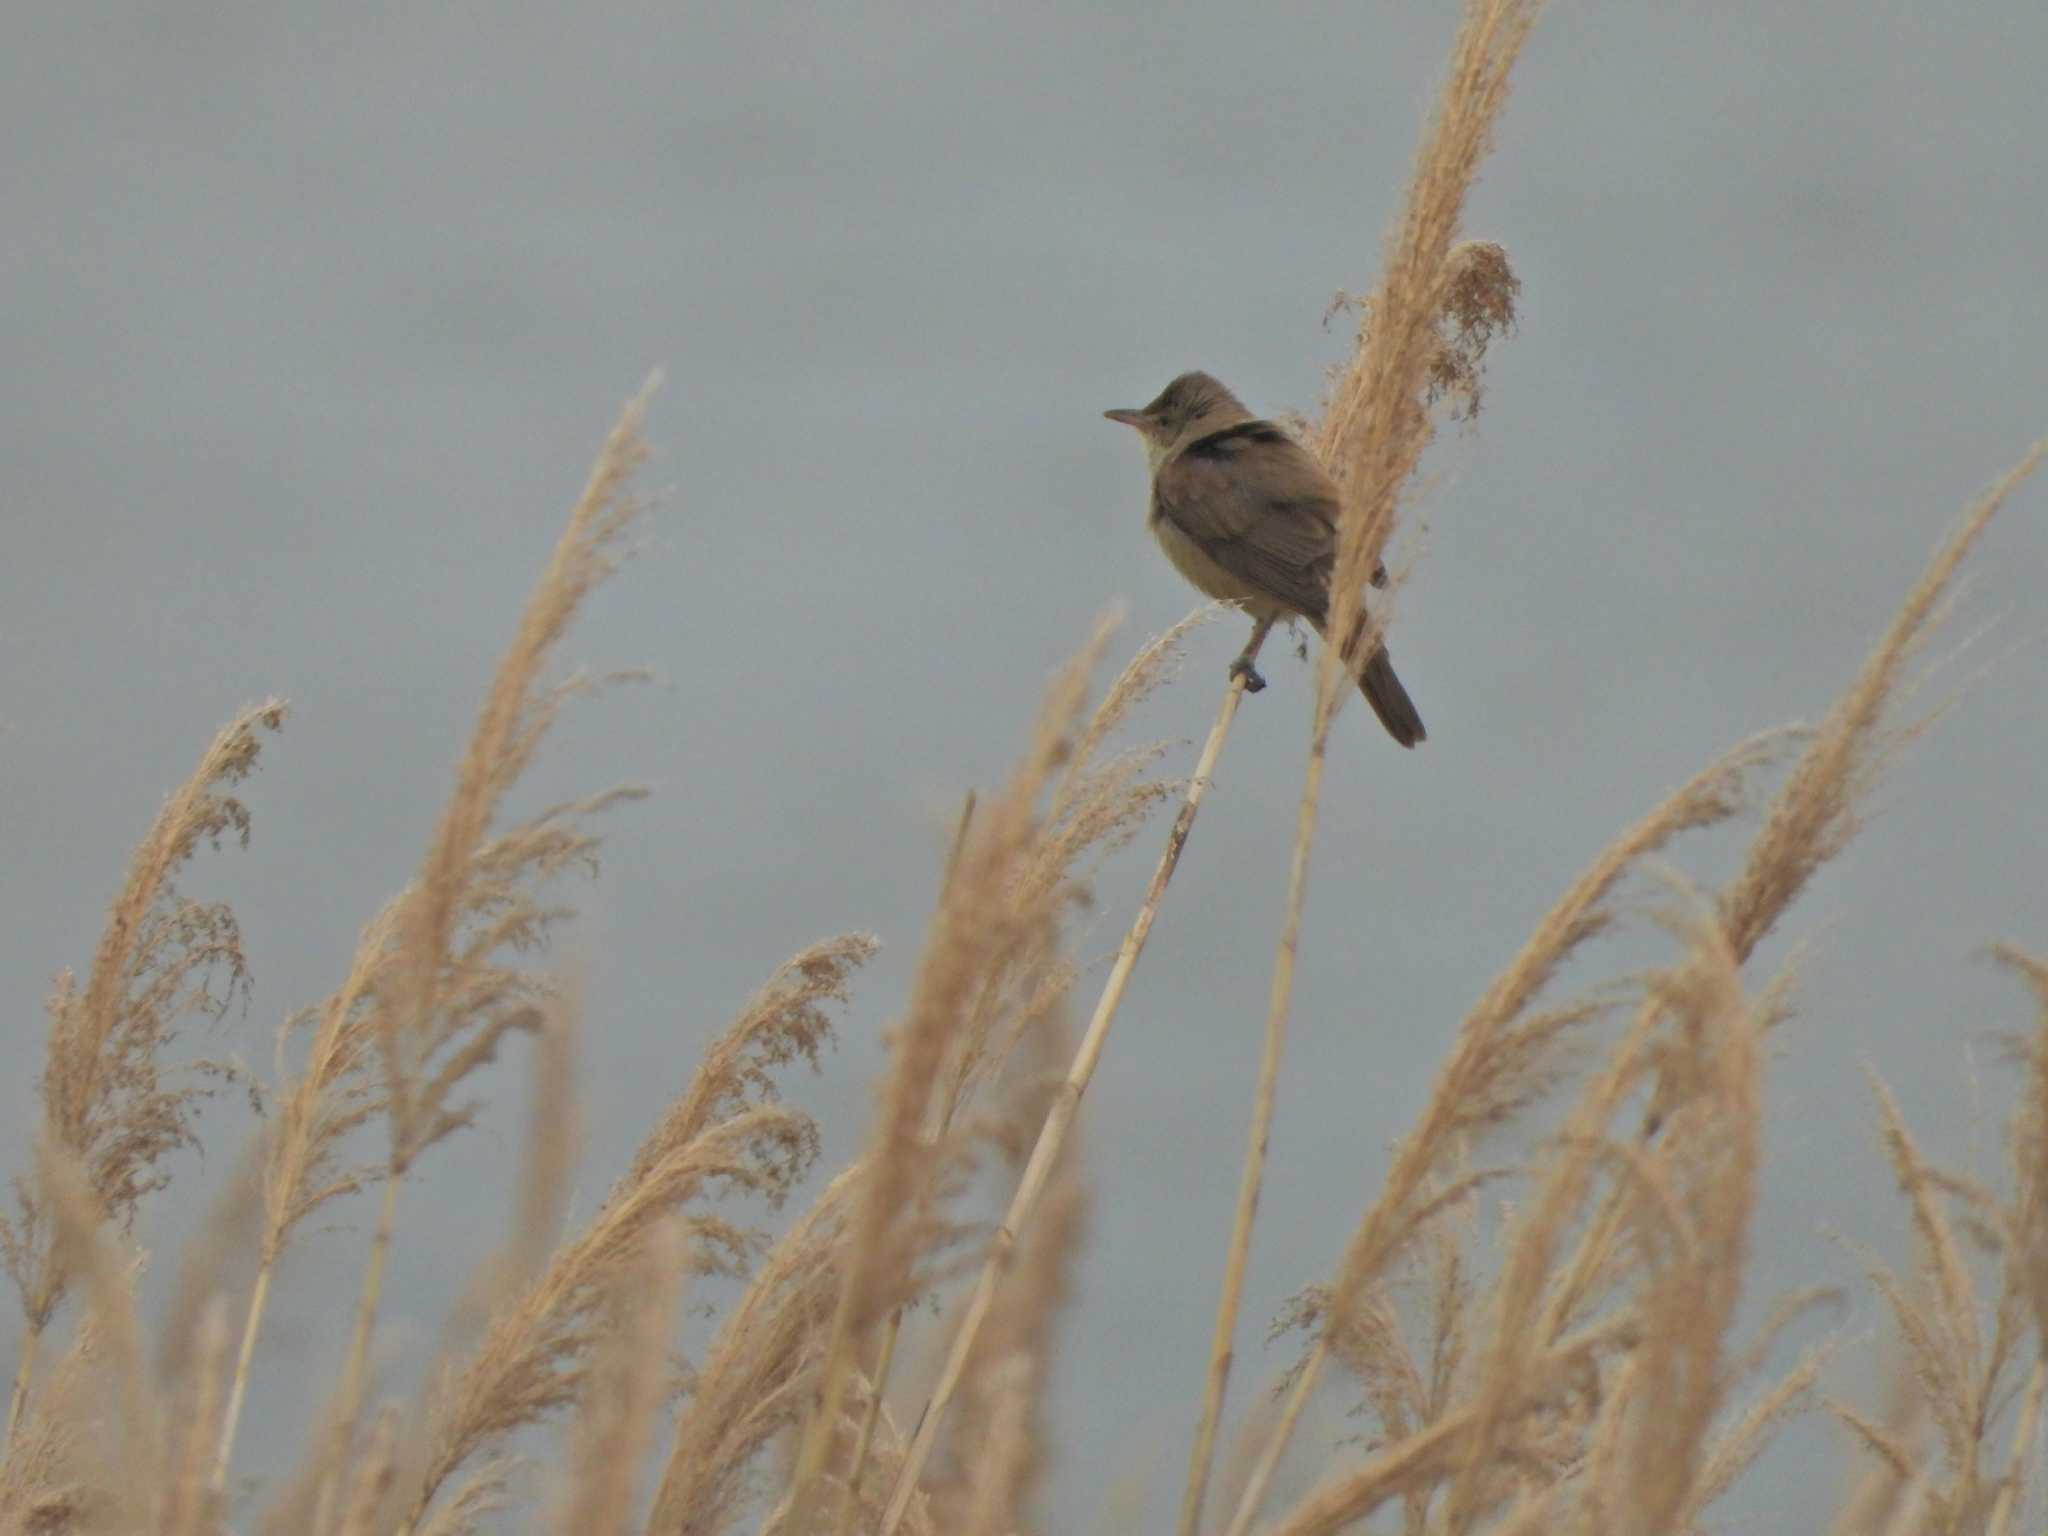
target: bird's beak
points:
(1128, 418)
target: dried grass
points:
(436, 987)
(624, 1389)
(727, 1135)
(1422, 342)
(1640, 1243)
(991, 977)
(1536, 1341)
(113, 1108)
(1573, 1366)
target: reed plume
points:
(114, 1108)
(435, 988)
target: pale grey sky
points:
(314, 315)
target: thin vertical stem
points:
(1269, 1454)
(1279, 1003)
(1053, 1134)
(885, 1357)
(850, 1498)
(18, 1399)
(350, 1406)
(2013, 1483)
(236, 1392)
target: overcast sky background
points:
(315, 315)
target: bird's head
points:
(1191, 406)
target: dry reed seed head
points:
(1941, 1265)
(1368, 1341)
(464, 876)
(121, 1456)
(1098, 804)
(1738, 1446)
(623, 1390)
(2025, 1228)
(48, 1467)
(1813, 817)
(2027, 1129)
(1707, 1184)
(1155, 664)
(980, 929)
(736, 1081)
(1893, 1444)
(484, 1492)
(1108, 805)
(531, 1360)
(1374, 431)
(1957, 1379)
(1452, 1293)
(1715, 794)
(1523, 1309)
(185, 1500)
(1374, 427)
(785, 1022)
(108, 1096)
(1502, 1063)
(998, 1441)
(755, 1382)
(1477, 304)
(334, 1094)
(983, 922)
(1937, 1316)
(1024, 987)
(1940, 1380)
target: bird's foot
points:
(1242, 667)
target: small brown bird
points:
(1246, 514)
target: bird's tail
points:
(1390, 701)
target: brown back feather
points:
(1260, 506)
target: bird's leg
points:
(1242, 667)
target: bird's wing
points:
(1260, 506)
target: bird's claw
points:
(1242, 667)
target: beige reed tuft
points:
(1421, 343)
(114, 1109)
(1565, 1358)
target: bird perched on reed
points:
(1247, 514)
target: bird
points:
(1246, 513)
